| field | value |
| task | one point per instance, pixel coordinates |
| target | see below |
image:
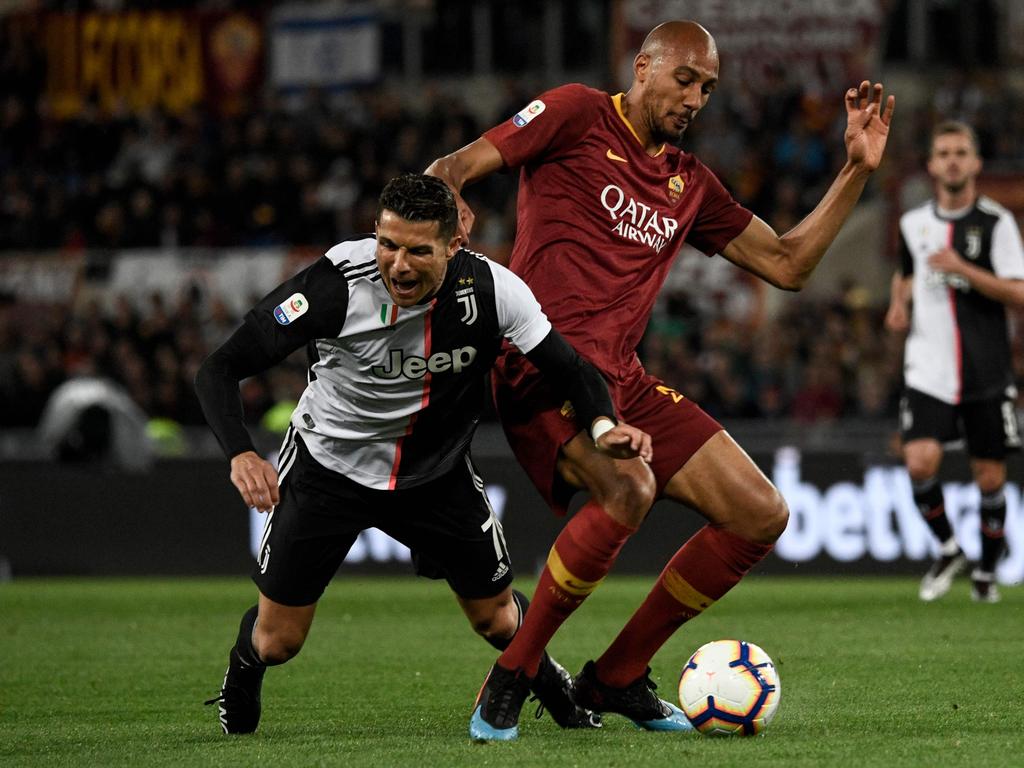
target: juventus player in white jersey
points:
(401, 329)
(962, 265)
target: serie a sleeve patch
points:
(527, 114)
(290, 309)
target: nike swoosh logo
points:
(612, 156)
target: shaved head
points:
(679, 35)
(674, 73)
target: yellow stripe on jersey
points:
(566, 580)
(617, 101)
(683, 592)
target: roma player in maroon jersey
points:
(606, 200)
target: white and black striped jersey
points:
(394, 393)
(958, 348)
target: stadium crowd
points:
(306, 176)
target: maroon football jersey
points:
(600, 220)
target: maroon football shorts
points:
(537, 424)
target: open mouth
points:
(404, 288)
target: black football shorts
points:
(988, 426)
(447, 522)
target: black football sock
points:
(993, 516)
(928, 498)
(243, 645)
(501, 643)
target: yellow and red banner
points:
(140, 60)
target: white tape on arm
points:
(601, 425)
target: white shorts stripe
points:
(500, 548)
(286, 457)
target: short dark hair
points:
(947, 127)
(417, 197)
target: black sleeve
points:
(580, 381)
(309, 306)
(239, 357)
(906, 260)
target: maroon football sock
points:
(581, 556)
(703, 570)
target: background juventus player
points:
(401, 329)
(962, 263)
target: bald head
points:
(678, 36)
(674, 73)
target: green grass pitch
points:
(114, 672)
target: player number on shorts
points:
(662, 389)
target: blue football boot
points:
(496, 712)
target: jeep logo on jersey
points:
(637, 221)
(943, 280)
(416, 367)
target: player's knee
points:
(494, 626)
(922, 464)
(279, 647)
(920, 469)
(990, 479)
(628, 497)
(771, 519)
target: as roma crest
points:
(675, 187)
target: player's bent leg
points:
(724, 484)
(267, 636)
(625, 490)
(586, 548)
(746, 513)
(495, 619)
(496, 709)
(238, 702)
(281, 630)
(581, 557)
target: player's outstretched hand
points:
(867, 124)
(625, 442)
(256, 480)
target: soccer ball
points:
(729, 687)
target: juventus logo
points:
(467, 299)
(973, 243)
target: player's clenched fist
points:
(256, 480)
